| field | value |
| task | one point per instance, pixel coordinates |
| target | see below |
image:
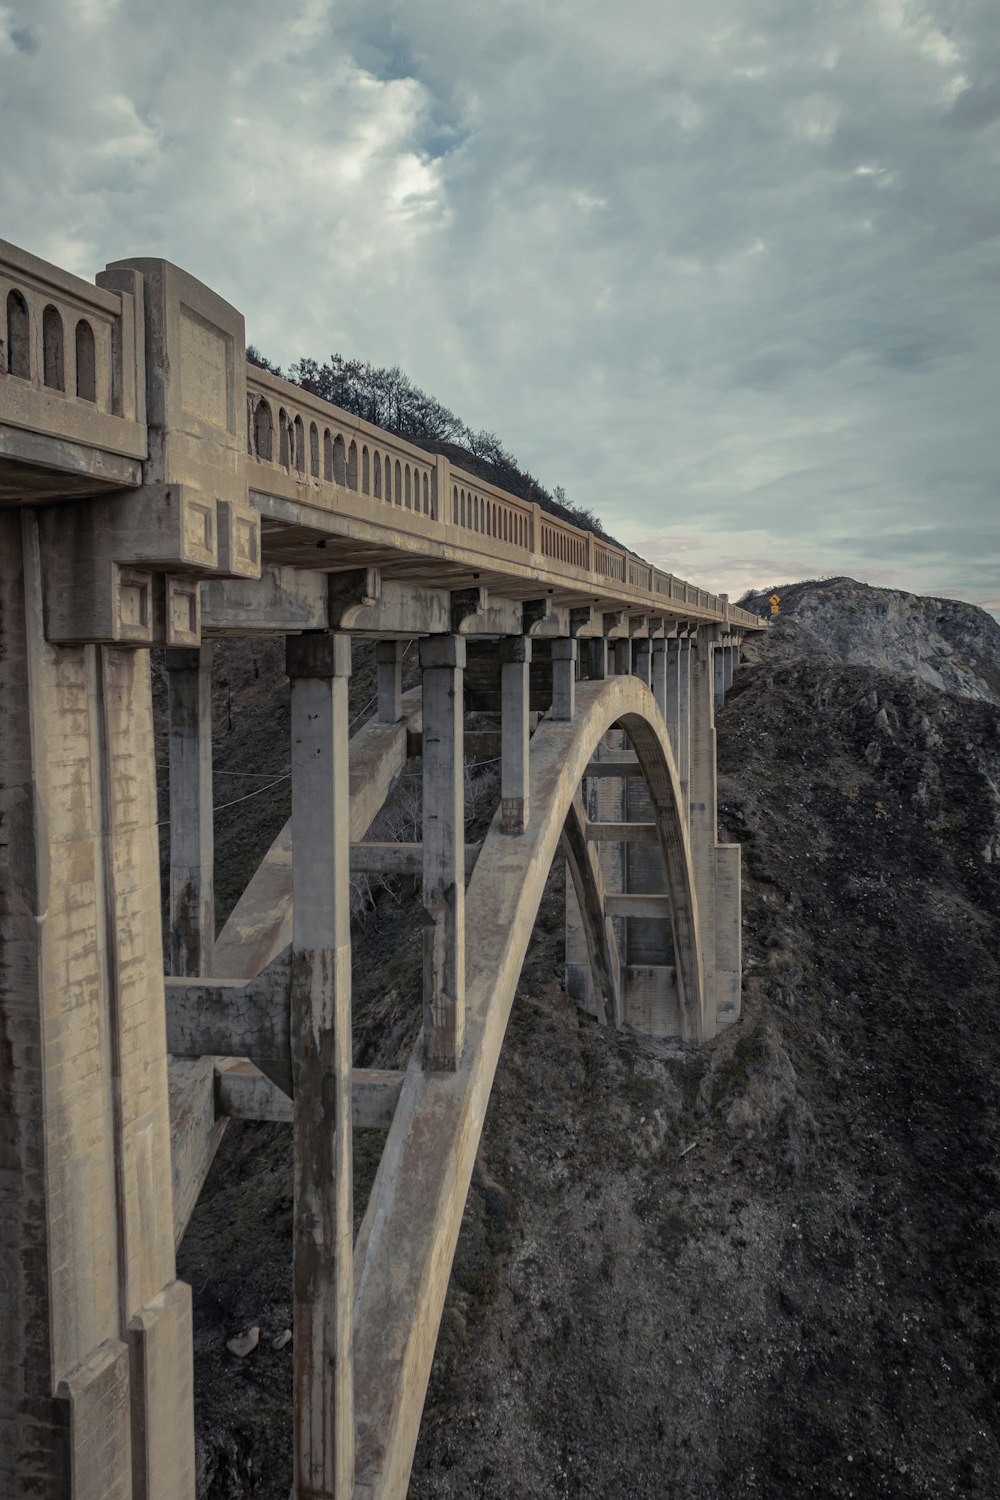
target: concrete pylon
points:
(684, 716)
(597, 658)
(442, 661)
(515, 672)
(641, 660)
(192, 886)
(564, 654)
(658, 673)
(389, 680)
(319, 667)
(96, 1379)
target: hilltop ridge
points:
(946, 643)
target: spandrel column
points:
(684, 718)
(658, 673)
(319, 667)
(515, 670)
(564, 654)
(641, 661)
(597, 661)
(389, 680)
(192, 894)
(442, 661)
(623, 657)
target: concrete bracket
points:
(535, 612)
(465, 605)
(350, 592)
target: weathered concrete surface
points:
(86, 1232)
(442, 662)
(192, 845)
(260, 925)
(407, 1242)
(319, 667)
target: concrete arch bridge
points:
(155, 491)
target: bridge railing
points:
(304, 448)
(72, 355)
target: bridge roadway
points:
(155, 491)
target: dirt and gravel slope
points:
(770, 1267)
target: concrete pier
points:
(192, 847)
(389, 680)
(442, 662)
(515, 673)
(319, 667)
(564, 654)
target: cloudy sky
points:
(727, 270)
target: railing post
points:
(192, 896)
(442, 490)
(536, 528)
(322, 1272)
(442, 660)
(564, 654)
(515, 667)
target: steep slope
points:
(770, 1267)
(944, 642)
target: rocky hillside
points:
(943, 642)
(766, 1268)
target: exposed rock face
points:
(765, 1268)
(943, 642)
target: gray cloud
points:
(725, 270)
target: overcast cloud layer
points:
(726, 269)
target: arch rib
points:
(407, 1242)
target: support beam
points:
(192, 894)
(641, 659)
(564, 654)
(705, 675)
(323, 1424)
(399, 859)
(622, 833)
(658, 672)
(673, 683)
(588, 883)
(684, 718)
(515, 672)
(442, 661)
(638, 904)
(389, 680)
(243, 1092)
(598, 658)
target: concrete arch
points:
(407, 1241)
